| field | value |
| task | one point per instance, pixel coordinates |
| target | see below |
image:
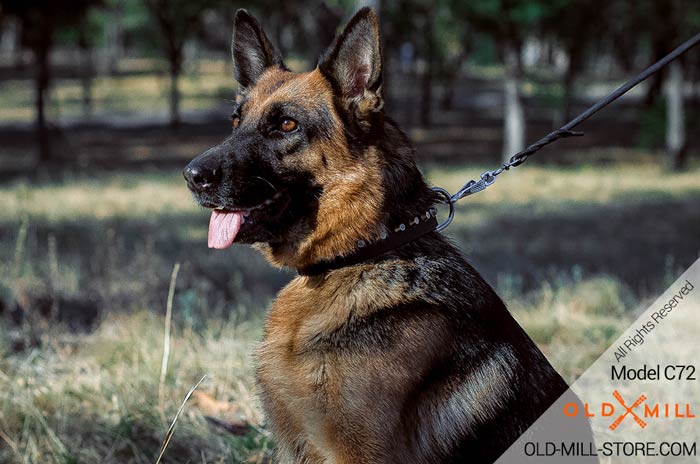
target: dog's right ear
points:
(251, 49)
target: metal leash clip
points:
(450, 202)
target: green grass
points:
(573, 252)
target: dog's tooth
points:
(243, 219)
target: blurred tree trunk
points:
(177, 20)
(41, 81)
(513, 113)
(454, 72)
(115, 37)
(654, 87)
(448, 94)
(175, 70)
(567, 97)
(662, 38)
(675, 117)
(549, 54)
(16, 39)
(284, 27)
(426, 83)
(175, 47)
(572, 70)
(280, 24)
(326, 20)
(86, 71)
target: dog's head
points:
(305, 171)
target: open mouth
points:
(226, 223)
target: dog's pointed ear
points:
(353, 64)
(252, 51)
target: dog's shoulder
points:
(361, 297)
(427, 290)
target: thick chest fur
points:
(372, 365)
(334, 369)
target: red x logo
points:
(628, 410)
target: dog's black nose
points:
(201, 177)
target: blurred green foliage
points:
(621, 27)
(574, 39)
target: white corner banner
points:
(642, 396)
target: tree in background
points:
(40, 20)
(114, 15)
(457, 44)
(578, 27)
(441, 43)
(508, 23)
(652, 28)
(662, 37)
(413, 21)
(177, 21)
(304, 29)
(83, 35)
(683, 17)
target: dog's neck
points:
(366, 205)
(369, 250)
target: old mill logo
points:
(629, 410)
(640, 411)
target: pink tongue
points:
(223, 227)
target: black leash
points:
(427, 223)
(487, 178)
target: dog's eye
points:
(287, 124)
(236, 121)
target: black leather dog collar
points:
(404, 233)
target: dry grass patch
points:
(94, 398)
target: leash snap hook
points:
(450, 202)
(488, 177)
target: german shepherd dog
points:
(404, 357)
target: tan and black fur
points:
(409, 357)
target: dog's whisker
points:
(266, 181)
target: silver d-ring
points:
(448, 200)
